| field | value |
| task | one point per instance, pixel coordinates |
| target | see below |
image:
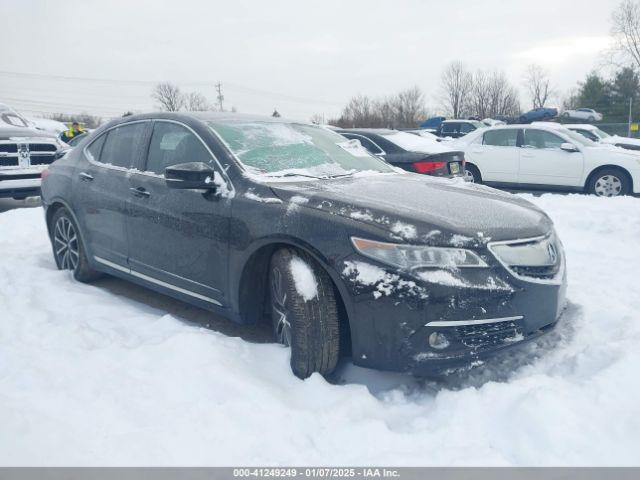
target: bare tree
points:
(625, 29)
(492, 95)
(409, 107)
(317, 119)
(456, 84)
(85, 119)
(169, 97)
(538, 85)
(196, 102)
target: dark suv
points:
(259, 218)
(458, 128)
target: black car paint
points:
(213, 250)
(405, 159)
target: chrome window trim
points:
(462, 323)
(108, 166)
(367, 138)
(147, 173)
(557, 280)
(155, 280)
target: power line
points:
(154, 82)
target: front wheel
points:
(304, 312)
(609, 182)
(68, 249)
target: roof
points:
(377, 131)
(584, 126)
(226, 117)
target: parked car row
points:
(343, 253)
(548, 156)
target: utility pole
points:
(630, 105)
(220, 96)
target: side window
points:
(449, 127)
(366, 143)
(93, 150)
(501, 138)
(122, 145)
(466, 128)
(172, 144)
(541, 139)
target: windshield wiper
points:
(295, 175)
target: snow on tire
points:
(304, 312)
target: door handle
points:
(85, 176)
(140, 192)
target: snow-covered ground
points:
(112, 374)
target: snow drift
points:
(113, 374)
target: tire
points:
(591, 118)
(472, 174)
(609, 182)
(522, 119)
(566, 115)
(311, 328)
(68, 249)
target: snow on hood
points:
(417, 143)
(421, 209)
(624, 140)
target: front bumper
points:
(20, 186)
(494, 311)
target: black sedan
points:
(260, 218)
(409, 152)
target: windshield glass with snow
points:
(601, 133)
(279, 149)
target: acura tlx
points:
(263, 218)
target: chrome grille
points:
(538, 259)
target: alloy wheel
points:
(65, 241)
(468, 175)
(608, 186)
(280, 314)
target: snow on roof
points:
(584, 126)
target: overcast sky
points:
(301, 57)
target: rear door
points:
(102, 188)
(496, 155)
(178, 239)
(543, 162)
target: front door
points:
(178, 238)
(543, 162)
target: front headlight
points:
(407, 257)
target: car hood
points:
(422, 209)
(616, 139)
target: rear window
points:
(122, 145)
(501, 138)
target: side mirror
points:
(192, 175)
(569, 147)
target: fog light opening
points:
(438, 341)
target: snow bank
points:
(304, 279)
(112, 374)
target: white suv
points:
(24, 154)
(549, 157)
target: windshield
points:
(289, 149)
(600, 133)
(579, 138)
(415, 143)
